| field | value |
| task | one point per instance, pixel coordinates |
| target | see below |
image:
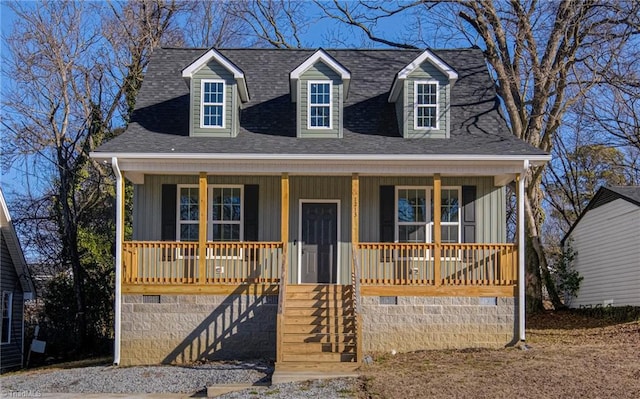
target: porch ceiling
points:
(503, 168)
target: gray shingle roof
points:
(160, 121)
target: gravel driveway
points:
(169, 379)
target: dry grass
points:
(571, 356)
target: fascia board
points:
(321, 157)
(204, 59)
(319, 55)
(426, 55)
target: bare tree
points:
(277, 23)
(545, 56)
(73, 76)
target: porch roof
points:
(160, 122)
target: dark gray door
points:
(319, 262)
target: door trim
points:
(318, 201)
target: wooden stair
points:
(318, 332)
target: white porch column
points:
(119, 240)
(520, 180)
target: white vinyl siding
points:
(607, 245)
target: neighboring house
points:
(606, 242)
(284, 207)
(15, 287)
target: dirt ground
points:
(570, 356)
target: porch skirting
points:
(186, 328)
(413, 323)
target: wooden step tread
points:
(319, 312)
(316, 303)
(318, 347)
(319, 320)
(319, 357)
(318, 295)
(314, 329)
(317, 288)
(319, 338)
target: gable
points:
(604, 196)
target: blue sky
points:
(315, 35)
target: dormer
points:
(421, 92)
(217, 90)
(319, 87)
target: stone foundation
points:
(419, 323)
(187, 328)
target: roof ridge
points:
(317, 48)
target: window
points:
(224, 216)
(319, 105)
(7, 305)
(188, 213)
(412, 215)
(414, 220)
(426, 105)
(450, 215)
(212, 109)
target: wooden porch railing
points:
(460, 264)
(163, 262)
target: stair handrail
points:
(356, 298)
(283, 279)
(282, 286)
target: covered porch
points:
(361, 256)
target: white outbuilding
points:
(606, 242)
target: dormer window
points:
(319, 87)
(212, 104)
(426, 105)
(319, 105)
(421, 92)
(217, 89)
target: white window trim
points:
(210, 221)
(309, 83)
(10, 312)
(428, 223)
(416, 105)
(203, 103)
(319, 201)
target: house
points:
(284, 207)
(606, 241)
(16, 287)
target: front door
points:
(319, 243)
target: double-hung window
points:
(319, 105)
(7, 304)
(414, 214)
(426, 105)
(224, 213)
(212, 107)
